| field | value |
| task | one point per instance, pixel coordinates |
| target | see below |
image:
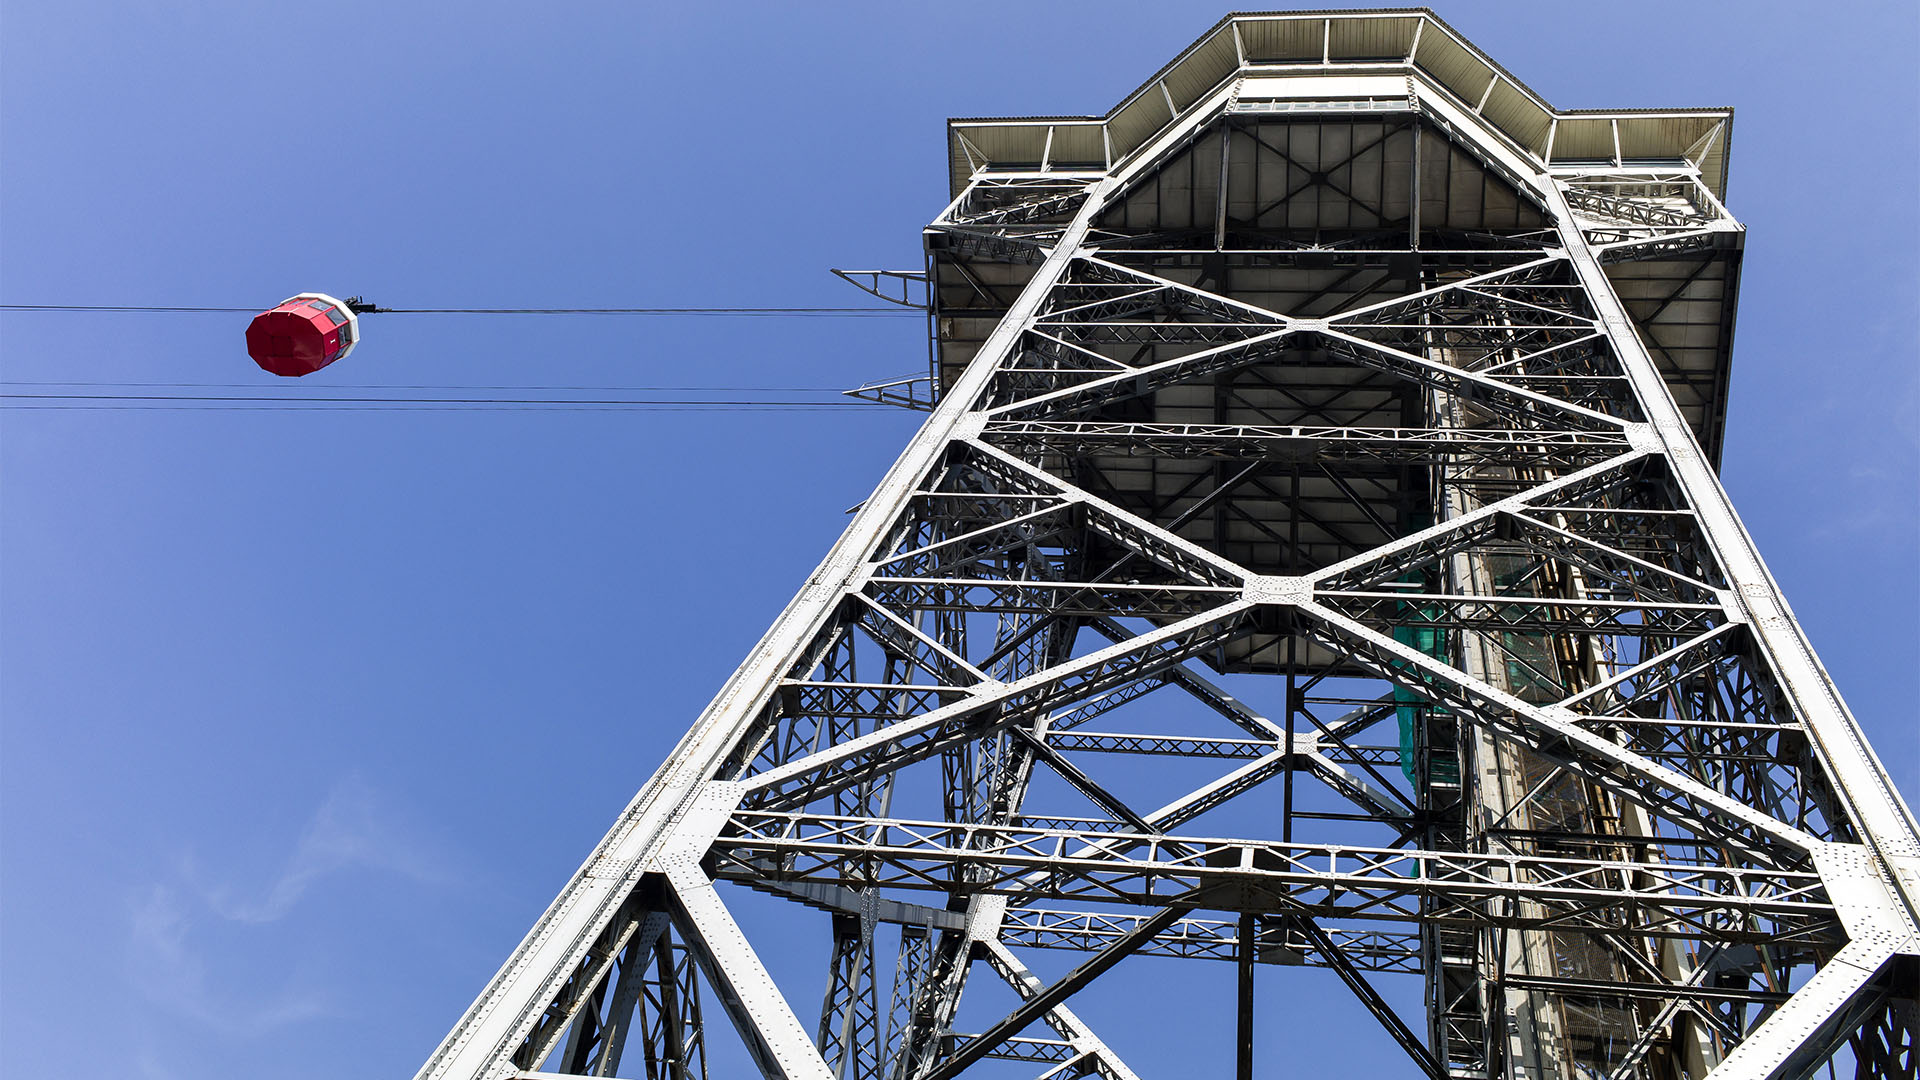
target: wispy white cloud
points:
(190, 937)
(172, 972)
(352, 830)
(148, 1062)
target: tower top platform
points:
(1410, 41)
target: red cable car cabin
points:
(304, 334)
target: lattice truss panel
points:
(1330, 462)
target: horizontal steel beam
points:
(1208, 939)
(1326, 881)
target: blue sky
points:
(305, 716)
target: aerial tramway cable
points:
(742, 312)
(443, 386)
(339, 400)
(309, 331)
(48, 394)
(296, 405)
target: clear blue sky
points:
(304, 717)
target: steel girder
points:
(1322, 390)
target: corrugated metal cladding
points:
(1650, 136)
(1391, 40)
(1371, 39)
(1583, 139)
(1078, 144)
(1197, 74)
(1061, 145)
(1268, 40)
(1014, 144)
(1519, 116)
(1700, 138)
(1456, 65)
(1137, 121)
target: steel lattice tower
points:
(1335, 422)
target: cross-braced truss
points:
(1341, 455)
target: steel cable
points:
(742, 312)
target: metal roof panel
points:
(1403, 39)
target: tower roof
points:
(1410, 40)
